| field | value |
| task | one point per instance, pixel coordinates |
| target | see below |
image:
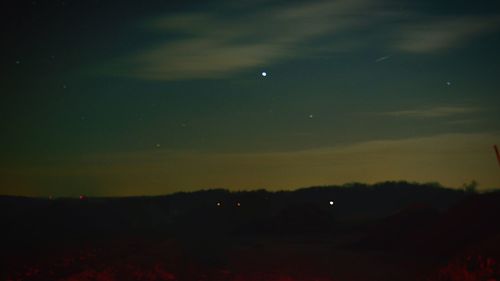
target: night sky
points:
(114, 98)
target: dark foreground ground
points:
(390, 231)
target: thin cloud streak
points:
(433, 112)
(451, 159)
(382, 58)
(438, 35)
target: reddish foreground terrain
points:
(294, 242)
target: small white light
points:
(331, 203)
(264, 74)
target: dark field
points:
(388, 231)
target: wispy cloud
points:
(214, 45)
(429, 36)
(433, 112)
(222, 42)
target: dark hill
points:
(199, 211)
(391, 231)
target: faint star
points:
(448, 83)
(158, 145)
(64, 86)
(18, 62)
(311, 116)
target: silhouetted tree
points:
(470, 187)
